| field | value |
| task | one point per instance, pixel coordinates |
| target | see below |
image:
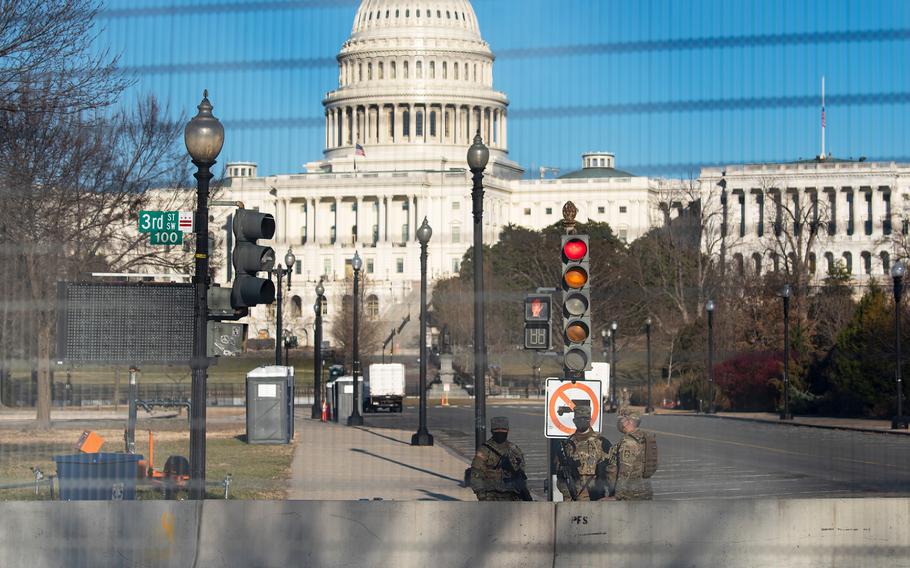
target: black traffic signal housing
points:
(250, 258)
(537, 313)
(576, 287)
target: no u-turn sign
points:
(562, 398)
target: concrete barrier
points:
(224, 534)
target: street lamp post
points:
(899, 422)
(356, 419)
(204, 137)
(316, 413)
(478, 156)
(650, 408)
(289, 261)
(423, 436)
(614, 376)
(709, 307)
(785, 296)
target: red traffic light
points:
(575, 249)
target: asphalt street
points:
(706, 457)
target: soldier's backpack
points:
(650, 454)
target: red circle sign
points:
(560, 396)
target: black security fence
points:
(23, 393)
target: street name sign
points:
(165, 227)
(562, 398)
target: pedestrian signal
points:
(537, 321)
(250, 258)
(576, 305)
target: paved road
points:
(702, 457)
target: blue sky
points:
(666, 85)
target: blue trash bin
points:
(97, 477)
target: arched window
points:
(445, 70)
(455, 68)
(738, 263)
(475, 72)
(447, 120)
(886, 263)
(418, 12)
(420, 69)
(407, 13)
(432, 69)
(419, 126)
(360, 71)
(812, 263)
(406, 123)
(756, 263)
(405, 69)
(369, 71)
(433, 123)
(396, 13)
(867, 262)
(456, 15)
(448, 15)
(848, 262)
(296, 307)
(438, 13)
(380, 70)
(829, 263)
(372, 306)
(392, 70)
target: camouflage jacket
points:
(626, 466)
(487, 474)
(588, 451)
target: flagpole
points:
(823, 118)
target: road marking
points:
(776, 450)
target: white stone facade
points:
(415, 83)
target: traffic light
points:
(537, 321)
(576, 288)
(250, 258)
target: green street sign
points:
(157, 221)
(166, 238)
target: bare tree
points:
(69, 184)
(371, 330)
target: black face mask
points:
(500, 437)
(582, 424)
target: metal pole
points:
(279, 273)
(423, 437)
(650, 407)
(356, 419)
(614, 376)
(131, 421)
(480, 351)
(316, 414)
(711, 408)
(200, 361)
(898, 422)
(785, 415)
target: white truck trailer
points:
(386, 388)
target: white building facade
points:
(415, 84)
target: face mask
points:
(582, 424)
(500, 437)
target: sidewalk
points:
(854, 424)
(337, 462)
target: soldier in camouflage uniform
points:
(586, 452)
(492, 478)
(626, 461)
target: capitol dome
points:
(415, 83)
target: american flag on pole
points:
(358, 150)
(823, 116)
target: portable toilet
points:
(270, 405)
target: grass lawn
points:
(258, 471)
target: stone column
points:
(505, 130)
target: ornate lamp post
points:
(356, 419)
(423, 436)
(650, 408)
(204, 137)
(289, 261)
(709, 307)
(785, 296)
(899, 422)
(316, 413)
(478, 156)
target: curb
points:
(802, 424)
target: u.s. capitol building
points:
(415, 84)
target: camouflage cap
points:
(582, 411)
(499, 423)
(629, 412)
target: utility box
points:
(343, 397)
(270, 405)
